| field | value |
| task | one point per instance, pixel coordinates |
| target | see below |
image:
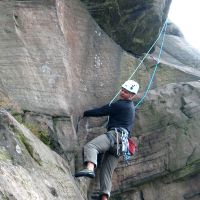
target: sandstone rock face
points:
(169, 143)
(56, 62)
(183, 54)
(29, 169)
(188, 189)
(45, 62)
(132, 24)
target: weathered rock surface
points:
(52, 55)
(169, 143)
(55, 62)
(29, 169)
(132, 24)
(178, 52)
(188, 189)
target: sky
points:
(186, 15)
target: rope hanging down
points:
(158, 60)
(156, 67)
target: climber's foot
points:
(85, 172)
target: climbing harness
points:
(125, 146)
(122, 141)
(163, 31)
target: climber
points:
(121, 119)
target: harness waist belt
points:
(119, 130)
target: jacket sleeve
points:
(97, 112)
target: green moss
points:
(23, 140)
(29, 148)
(4, 155)
(18, 117)
(3, 196)
(44, 137)
(42, 134)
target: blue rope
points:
(155, 69)
(163, 29)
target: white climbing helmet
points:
(131, 86)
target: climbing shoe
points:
(85, 172)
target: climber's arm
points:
(97, 112)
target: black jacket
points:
(121, 114)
